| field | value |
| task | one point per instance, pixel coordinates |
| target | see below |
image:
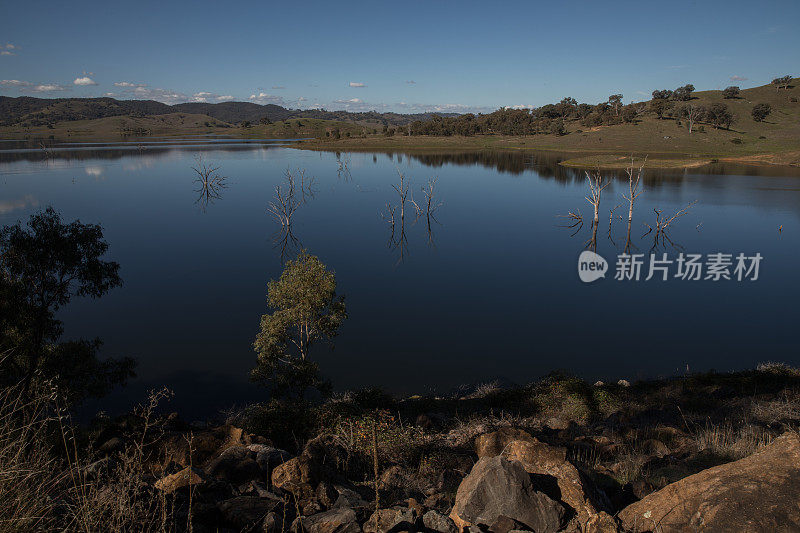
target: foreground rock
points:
(339, 520)
(393, 519)
(757, 493)
(189, 476)
(497, 487)
(574, 488)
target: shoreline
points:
(586, 158)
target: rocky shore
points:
(712, 452)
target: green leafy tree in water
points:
(306, 311)
(42, 267)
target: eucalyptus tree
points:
(305, 311)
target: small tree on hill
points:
(660, 106)
(720, 116)
(761, 111)
(615, 101)
(731, 92)
(684, 93)
(692, 114)
(306, 311)
(665, 94)
(782, 82)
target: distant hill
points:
(28, 111)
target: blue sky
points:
(400, 56)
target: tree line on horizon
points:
(552, 118)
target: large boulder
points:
(203, 445)
(299, 476)
(339, 520)
(392, 519)
(497, 487)
(246, 511)
(757, 493)
(187, 477)
(574, 488)
(269, 457)
(323, 458)
(492, 444)
(235, 465)
(436, 521)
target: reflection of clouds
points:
(94, 171)
(9, 206)
(139, 163)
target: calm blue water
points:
(492, 292)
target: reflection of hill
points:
(546, 165)
(32, 151)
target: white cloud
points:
(278, 87)
(201, 97)
(738, 78)
(128, 84)
(25, 86)
(6, 53)
(109, 94)
(10, 46)
(7, 49)
(85, 80)
(411, 82)
(357, 84)
(48, 88)
(206, 96)
(264, 98)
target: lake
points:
(489, 290)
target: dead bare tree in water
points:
(663, 223)
(210, 183)
(344, 167)
(285, 203)
(576, 219)
(634, 190)
(430, 206)
(402, 192)
(396, 215)
(596, 186)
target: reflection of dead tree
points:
(307, 184)
(344, 167)
(577, 221)
(285, 203)
(662, 225)
(286, 241)
(45, 150)
(210, 184)
(611, 222)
